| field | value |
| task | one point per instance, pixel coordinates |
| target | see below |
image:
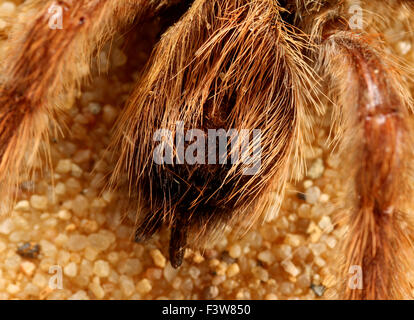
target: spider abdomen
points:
(240, 75)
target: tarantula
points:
(234, 64)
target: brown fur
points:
(379, 161)
(45, 70)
